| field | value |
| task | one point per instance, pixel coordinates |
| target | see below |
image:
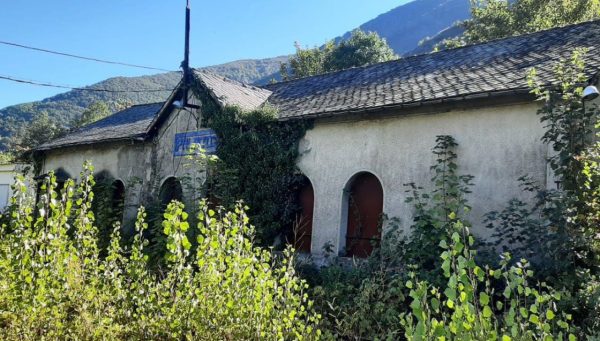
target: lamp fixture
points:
(590, 92)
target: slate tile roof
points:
(229, 92)
(476, 70)
(130, 123)
(136, 121)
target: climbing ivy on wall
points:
(257, 164)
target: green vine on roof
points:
(258, 156)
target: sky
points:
(151, 32)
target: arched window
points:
(109, 198)
(365, 209)
(169, 191)
(108, 206)
(304, 221)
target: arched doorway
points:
(304, 221)
(118, 199)
(365, 209)
(61, 178)
(108, 206)
(170, 190)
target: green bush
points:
(54, 284)
(469, 308)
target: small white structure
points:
(8, 171)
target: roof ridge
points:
(423, 55)
(234, 81)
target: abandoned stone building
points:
(373, 130)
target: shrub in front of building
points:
(57, 285)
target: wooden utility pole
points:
(187, 75)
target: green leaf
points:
(524, 312)
(484, 298)
(533, 318)
(549, 315)
(487, 312)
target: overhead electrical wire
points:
(82, 57)
(23, 81)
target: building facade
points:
(373, 131)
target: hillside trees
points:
(362, 48)
(40, 130)
(96, 111)
(496, 19)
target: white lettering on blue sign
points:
(206, 139)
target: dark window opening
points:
(118, 200)
(170, 190)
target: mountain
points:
(403, 27)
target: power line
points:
(23, 81)
(82, 57)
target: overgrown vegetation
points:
(257, 163)
(359, 50)
(56, 286)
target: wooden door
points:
(365, 209)
(303, 228)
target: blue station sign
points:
(205, 138)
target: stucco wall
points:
(496, 145)
(126, 161)
(142, 166)
(166, 164)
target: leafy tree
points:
(96, 111)
(362, 48)
(40, 130)
(496, 19)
